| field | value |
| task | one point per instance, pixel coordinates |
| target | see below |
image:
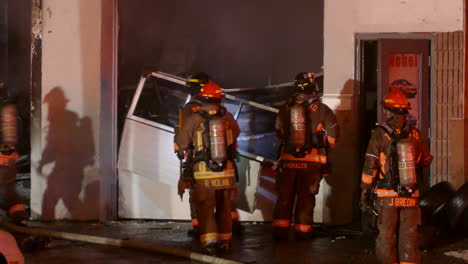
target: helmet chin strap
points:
(305, 97)
(399, 119)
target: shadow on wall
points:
(70, 147)
(342, 199)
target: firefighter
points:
(209, 135)
(306, 128)
(10, 201)
(195, 83)
(394, 152)
(9, 251)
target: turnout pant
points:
(214, 215)
(194, 216)
(9, 198)
(300, 186)
(402, 247)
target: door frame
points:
(108, 112)
(417, 36)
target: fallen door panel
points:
(148, 174)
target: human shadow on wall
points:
(344, 160)
(70, 146)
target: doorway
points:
(388, 62)
(15, 79)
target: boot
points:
(303, 236)
(280, 233)
(193, 232)
(211, 249)
(33, 243)
(224, 246)
(237, 228)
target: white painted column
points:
(70, 68)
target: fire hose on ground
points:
(115, 242)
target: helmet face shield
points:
(396, 111)
(305, 83)
(196, 82)
(307, 88)
(199, 79)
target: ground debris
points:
(461, 254)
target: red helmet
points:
(211, 90)
(396, 101)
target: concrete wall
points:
(343, 19)
(66, 175)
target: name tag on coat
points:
(400, 202)
(295, 165)
(210, 180)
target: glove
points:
(180, 155)
(232, 152)
(19, 217)
(184, 183)
(364, 201)
(187, 174)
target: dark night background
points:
(238, 42)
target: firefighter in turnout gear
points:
(9, 198)
(306, 128)
(394, 153)
(196, 82)
(209, 137)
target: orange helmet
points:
(396, 101)
(211, 90)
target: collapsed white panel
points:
(149, 171)
(148, 174)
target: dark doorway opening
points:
(15, 64)
(368, 91)
(15, 76)
(368, 108)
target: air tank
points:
(406, 163)
(298, 127)
(9, 125)
(218, 140)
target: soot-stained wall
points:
(239, 43)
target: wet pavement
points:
(255, 245)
